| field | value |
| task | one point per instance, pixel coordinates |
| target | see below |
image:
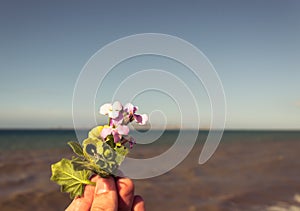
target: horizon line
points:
(141, 129)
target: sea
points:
(250, 170)
(13, 139)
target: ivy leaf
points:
(76, 147)
(95, 132)
(71, 181)
(101, 156)
(90, 148)
(121, 150)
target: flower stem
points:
(88, 182)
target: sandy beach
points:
(244, 175)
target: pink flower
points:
(130, 110)
(117, 132)
(131, 141)
(128, 139)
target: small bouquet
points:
(101, 153)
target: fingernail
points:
(102, 186)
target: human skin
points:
(110, 194)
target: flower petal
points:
(105, 109)
(105, 132)
(145, 119)
(117, 121)
(117, 106)
(138, 118)
(123, 129)
(116, 136)
(114, 114)
(128, 108)
(141, 119)
(135, 108)
(131, 142)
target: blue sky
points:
(253, 45)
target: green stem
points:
(88, 182)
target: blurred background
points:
(254, 47)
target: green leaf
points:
(121, 150)
(101, 156)
(121, 153)
(71, 180)
(80, 164)
(95, 132)
(90, 148)
(76, 147)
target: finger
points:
(138, 204)
(84, 202)
(125, 189)
(105, 196)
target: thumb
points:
(105, 196)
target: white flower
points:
(112, 110)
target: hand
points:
(111, 194)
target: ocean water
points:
(34, 139)
(48, 139)
(251, 170)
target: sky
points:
(253, 45)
